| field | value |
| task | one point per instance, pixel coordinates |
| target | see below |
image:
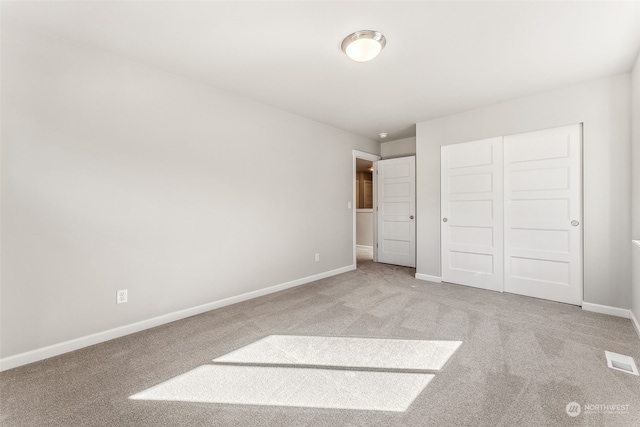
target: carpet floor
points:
(521, 361)
(345, 352)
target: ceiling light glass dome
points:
(364, 45)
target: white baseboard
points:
(86, 341)
(434, 279)
(605, 309)
(364, 246)
(635, 323)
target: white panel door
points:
(396, 211)
(472, 214)
(543, 214)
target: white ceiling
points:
(441, 57)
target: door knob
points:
(444, 220)
(575, 223)
(411, 217)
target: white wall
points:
(399, 148)
(635, 185)
(603, 107)
(364, 228)
(115, 175)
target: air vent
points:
(620, 362)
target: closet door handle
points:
(575, 223)
(444, 220)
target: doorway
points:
(364, 210)
(364, 216)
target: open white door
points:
(396, 204)
(543, 214)
(472, 214)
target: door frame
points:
(356, 154)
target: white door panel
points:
(543, 195)
(471, 203)
(536, 248)
(396, 211)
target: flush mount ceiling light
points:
(364, 45)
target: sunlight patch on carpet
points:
(345, 352)
(294, 387)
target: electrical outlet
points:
(121, 296)
(317, 257)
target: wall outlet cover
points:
(121, 296)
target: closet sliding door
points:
(512, 214)
(472, 224)
(543, 214)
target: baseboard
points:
(86, 341)
(364, 246)
(635, 323)
(605, 309)
(434, 279)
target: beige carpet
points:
(345, 352)
(522, 361)
(368, 374)
(292, 387)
